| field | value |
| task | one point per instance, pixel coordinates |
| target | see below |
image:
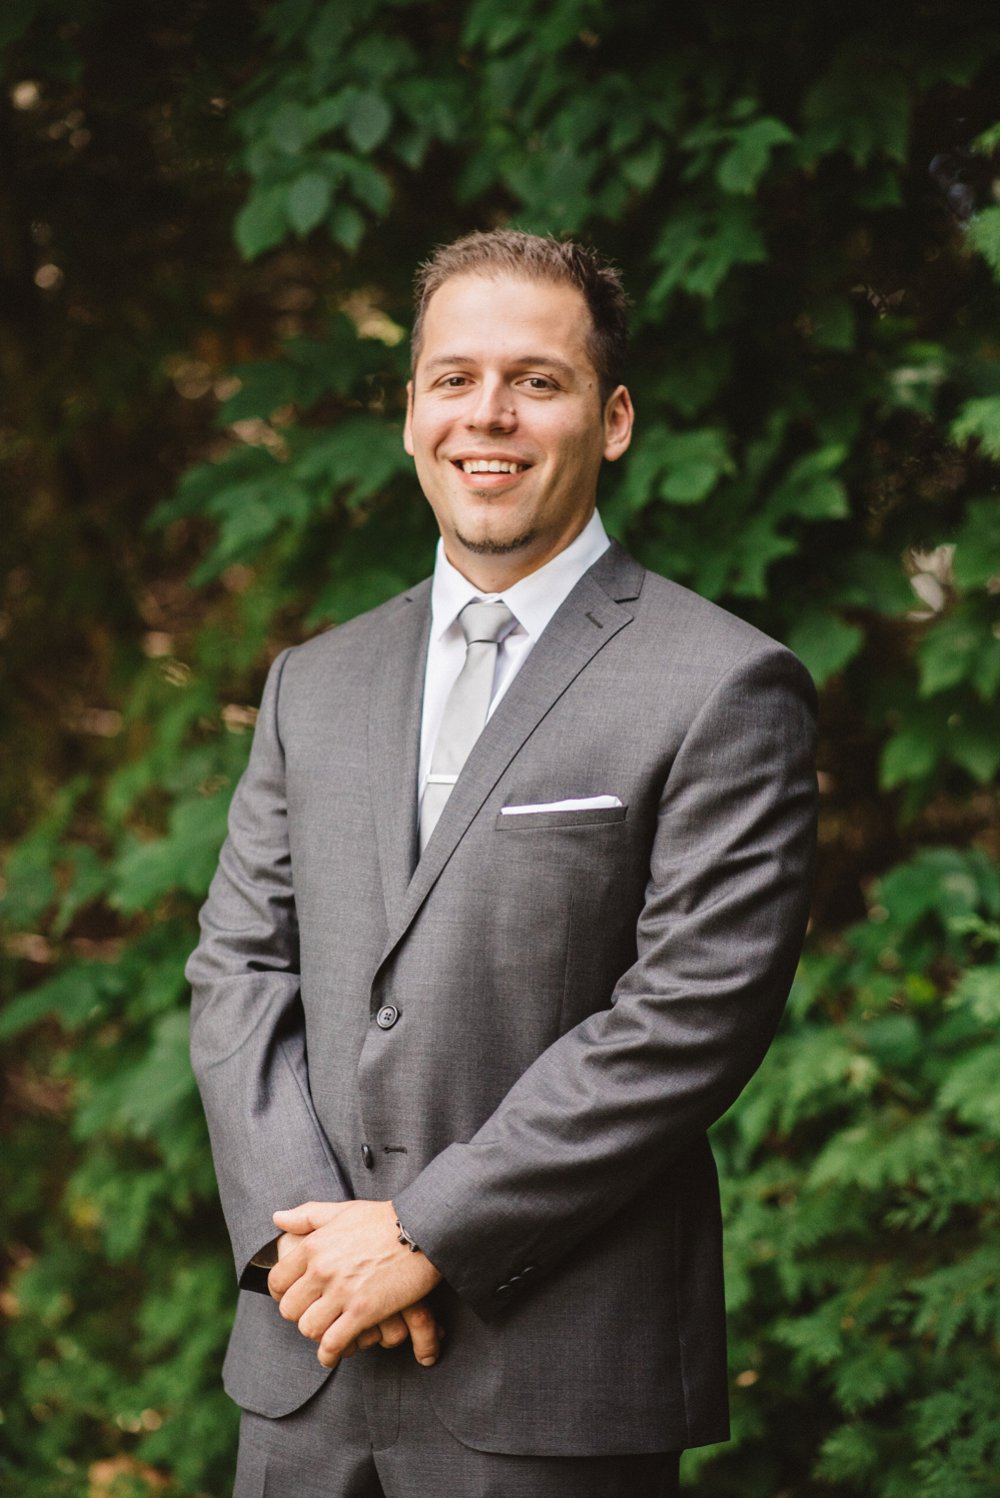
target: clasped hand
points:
(348, 1282)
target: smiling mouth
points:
(490, 465)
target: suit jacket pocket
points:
(538, 821)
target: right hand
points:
(416, 1322)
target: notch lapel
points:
(590, 617)
(394, 742)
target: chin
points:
(495, 545)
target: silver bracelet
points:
(405, 1238)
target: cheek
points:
(426, 437)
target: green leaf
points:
(288, 128)
(940, 1415)
(359, 456)
(851, 1453)
(642, 168)
(979, 991)
(184, 859)
(347, 226)
(552, 185)
(682, 467)
(971, 1091)
(975, 744)
(326, 38)
(760, 545)
(861, 107)
(979, 419)
(370, 186)
(85, 880)
(959, 1294)
(977, 548)
(984, 236)
(824, 643)
(748, 158)
(29, 886)
(495, 27)
(959, 647)
(286, 19)
(252, 511)
(693, 463)
(262, 222)
(939, 882)
(809, 489)
(150, 1092)
(368, 118)
(909, 755)
(72, 997)
(832, 324)
(864, 1378)
(308, 201)
(698, 248)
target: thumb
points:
(305, 1218)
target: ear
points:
(619, 417)
(408, 426)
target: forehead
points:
(499, 317)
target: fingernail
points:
(427, 1362)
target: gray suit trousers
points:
(371, 1432)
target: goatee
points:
(490, 547)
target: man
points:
(468, 996)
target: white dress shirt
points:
(532, 601)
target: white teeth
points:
(491, 465)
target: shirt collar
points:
(534, 599)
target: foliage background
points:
(209, 215)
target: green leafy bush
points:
(802, 201)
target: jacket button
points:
(387, 1016)
(368, 1156)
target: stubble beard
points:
(491, 546)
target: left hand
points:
(347, 1274)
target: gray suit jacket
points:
(579, 996)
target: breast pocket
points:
(541, 821)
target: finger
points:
(370, 1338)
(302, 1219)
(288, 1270)
(301, 1299)
(342, 1333)
(392, 1331)
(318, 1316)
(425, 1334)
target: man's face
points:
(506, 424)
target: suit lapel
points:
(394, 742)
(590, 617)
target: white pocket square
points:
(584, 803)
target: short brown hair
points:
(536, 257)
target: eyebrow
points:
(522, 361)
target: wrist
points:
(404, 1238)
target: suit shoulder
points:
(710, 634)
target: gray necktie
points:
(484, 626)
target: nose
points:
(492, 409)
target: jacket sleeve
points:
(605, 1107)
(247, 1034)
